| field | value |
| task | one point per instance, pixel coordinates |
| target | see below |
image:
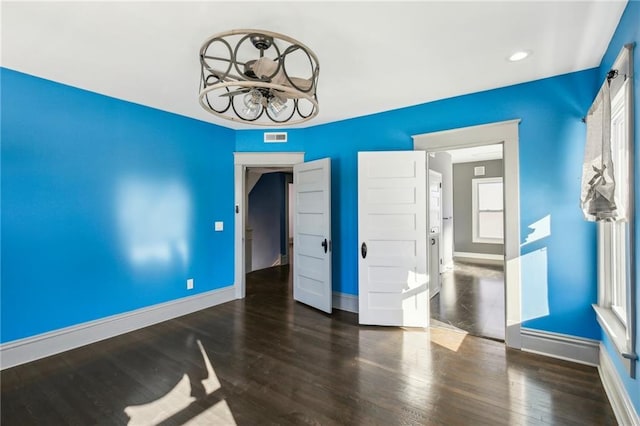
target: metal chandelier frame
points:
(258, 77)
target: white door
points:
(392, 236)
(435, 231)
(312, 234)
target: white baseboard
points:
(618, 397)
(561, 346)
(46, 344)
(480, 256)
(345, 302)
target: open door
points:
(392, 233)
(312, 234)
(435, 231)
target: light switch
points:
(219, 226)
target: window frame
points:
(475, 210)
(615, 314)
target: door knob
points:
(363, 250)
(325, 245)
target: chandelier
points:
(258, 77)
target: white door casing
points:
(505, 132)
(312, 234)
(242, 161)
(392, 236)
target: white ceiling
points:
(374, 56)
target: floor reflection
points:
(472, 300)
(447, 338)
(180, 398)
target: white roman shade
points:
(599, 199)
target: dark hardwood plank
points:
(274, 361)
(472, 299)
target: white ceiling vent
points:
(275, 137)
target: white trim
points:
(46, 344)
(486, 134)
(345, 302)
(486, 256)
(267, 159)
(241, 161)
(513, 302)
(561, 346)
(618, 397)
(612, 258)
(617, 333)
(505, 132)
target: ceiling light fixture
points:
(258, 77)
(519, 55)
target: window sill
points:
(617, 333)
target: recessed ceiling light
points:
(519, 55)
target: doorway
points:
(312, 274)
(242, 163)
(505, 133)
(267, 230)
(468, 259)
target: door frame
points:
(505, 133)
(241, 161)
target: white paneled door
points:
(312, 234)
(392, 234)
(435, 231)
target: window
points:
(615, 233)
(488, 210)
(615, 309)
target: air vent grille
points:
(275, 137)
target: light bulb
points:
(276, 105)
(252, 102)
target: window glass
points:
(490, 196)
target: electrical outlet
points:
(190, 284)
(219, 226)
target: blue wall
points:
(628, 31)
(109, 206)
(551, 153)
(266, 219)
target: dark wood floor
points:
(471, 299)
(268, 360)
